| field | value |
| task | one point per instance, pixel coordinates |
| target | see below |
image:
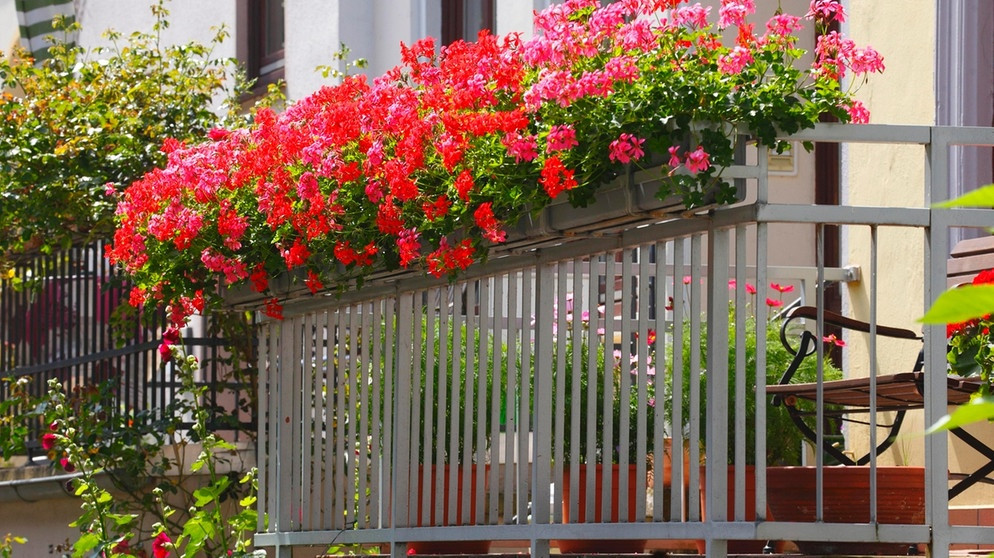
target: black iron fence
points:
(66, 316)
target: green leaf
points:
(979, 409)
(103, 497)
(981, 197)
(86, 543)
(206, 494)
(122, 519)
(961, 304)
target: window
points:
(265, 33)
(463, 19)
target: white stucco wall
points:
(188, 21)
(8, 26)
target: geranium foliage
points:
(431, 163)
(86, 121)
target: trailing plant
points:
(429, 165)
(141, 454)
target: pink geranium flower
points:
(698, 161)
(626, 148)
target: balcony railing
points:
(64, 316)
(413, 411)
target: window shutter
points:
(35, 20)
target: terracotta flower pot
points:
(737, 546)
(448, 517)
(623, 546)
(846, 499)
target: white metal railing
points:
(377, 406)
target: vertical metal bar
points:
(495, 299)
(445, 413)
(297, 495)
(694, 420)
(514, 506)
(308, 421)
(874, 239)
(468, 373)
(692, 510)
(608, 374)
(328, 461)
(642, 384)
(389, 398)
(543, 386)
(56, 296)
(659, 400)
(352, 414)
(625, 389)
(284, 464)
(527, 485)
(417, 341)
(264, 426)
(557, 328)
(762, 240)
(342, 505)
(740, 374)
(377, 362)
(275, 395)
(431, 368)
(717, 385)
(575, 333)
(594, 374)
(820, 376)
(503, 357)
(936, 162)
(483, 376)
(456, 380)
(316, 335)
(402, 456)
(366, 343)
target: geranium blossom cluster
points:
(433, 162)
(971, 347)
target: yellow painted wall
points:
(879, 175)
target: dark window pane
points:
(463, 19)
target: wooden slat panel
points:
(894, 391)
(969, 257)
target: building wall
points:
(188, 21)
(887, 176)
(8, 26)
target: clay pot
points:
(846, 499)
(623, 546)
(449, 517)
